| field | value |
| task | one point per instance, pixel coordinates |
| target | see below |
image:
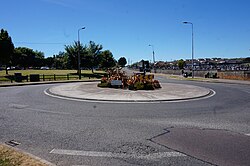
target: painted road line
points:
(152, 156)
(248, 134)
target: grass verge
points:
(10, 157)
(50, 75)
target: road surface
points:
(67, 132)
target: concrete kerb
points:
(210, 94)
(90, 92)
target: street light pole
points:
(153, 55)
(78, 52)
(192, 46)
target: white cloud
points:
(63, 3)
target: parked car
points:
(44, 68)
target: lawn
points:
(49, 75)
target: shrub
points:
(104, 85)
(149, 86)
(104, 80)
(131, 87)
(139, 86)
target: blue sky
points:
(127, 27)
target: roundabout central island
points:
(88, 91)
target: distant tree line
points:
(92, 56)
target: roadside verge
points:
(10, 156)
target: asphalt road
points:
(68, 132)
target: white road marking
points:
(152, 156)
(248, 134)
(18, 106)
(46, 111)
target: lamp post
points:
(153, 56)
(192, 46)
(78, 52)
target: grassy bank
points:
(11, 157)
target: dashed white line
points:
(152, 156)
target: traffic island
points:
(88, 91)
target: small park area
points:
(47, 75)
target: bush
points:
(131, 87)
(149, 86)
(139, 86)
(104, 85)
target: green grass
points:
(48, 75)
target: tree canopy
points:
(107, 60)
(91, 56)
(27, 57)
(181, 64)
(72, 52)
(122, 61)
(6, 48)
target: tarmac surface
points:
(214, 130)
(90, 91)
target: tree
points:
(181, 64)
(94, 53)
(27, 57)
(107, 60)
(72, 52)
(246, 60)
(61, 61)
(6, 48)
(122, 61)
(49, 62)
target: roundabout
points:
(183, 123)
(89, 91)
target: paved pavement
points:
(90, 91)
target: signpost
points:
(116, 82)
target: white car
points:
(44, 68)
